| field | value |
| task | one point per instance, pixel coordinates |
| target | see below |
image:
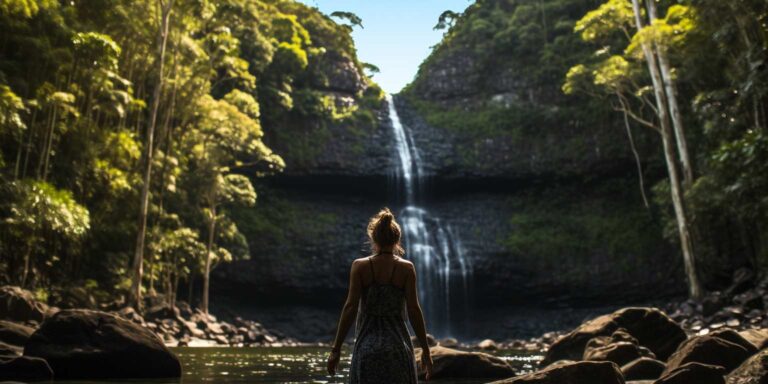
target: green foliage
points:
(559, 234)
(76, 80)
(353, 19)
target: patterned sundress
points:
(383, 352)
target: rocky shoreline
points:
(720, 339)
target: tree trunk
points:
(694, 287)
(25, 274)
(209, 248)
(138, 257)
(28, 147)
(42, 168)
(191, 288)
(674, 108)
(638, 163)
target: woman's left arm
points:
(348, 314)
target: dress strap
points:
(392, 275)
(373, 273)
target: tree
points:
(166, 7)
(353, 19)
(36, 212)
(618, 77)
(225, 135)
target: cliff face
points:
(541, 187)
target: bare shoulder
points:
(406, 264)
(357, 262)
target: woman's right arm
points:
(416, 317)
(348, 314)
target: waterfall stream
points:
(434, 246)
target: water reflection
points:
(276, 365)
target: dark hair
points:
(383, 231)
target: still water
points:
(279, 365)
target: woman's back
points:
(382, 290)
(383, 352)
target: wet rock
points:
(750, 300)
(757, 337)
(487, 345)
(452, 363)
(736, 338)
(185, 310)
(161, 312)
(712, 303)
(129, 313)
(583, 372)
(14, 333)
(212, 328)
(85, 344)
(694, 373)
(620, 353)
(709, 350)
(9, 350)
(430, 340)
(752, 371)
(25, 368)
(18, 304)
(191, 328)
(643, 368)
(73, 297)
(652, 328)
(448, 342)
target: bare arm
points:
(349, 312)
(415, 316)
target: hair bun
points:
(386, 216)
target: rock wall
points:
(541, 187)
(534, 242)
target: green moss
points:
(277, 222)
(553, 228)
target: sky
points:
(397, 34)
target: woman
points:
(382, 286)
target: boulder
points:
(85, 344)
(582, 372)
(620, 353)
(709, 350)
(452, 363)
(161, 312)
(651, 328)
(14, 333)
(448, 342)
(487, 345)
(750, 300)
(752, 371)
(694, 373)
(25, 368)
(430, 340)
(9, 350)
(18, 304)
(736, 338)
(643, 368)
(129, 313)
(757, 337)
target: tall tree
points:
(678, 200)
(670, 87)
(165, 7)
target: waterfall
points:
(431, 244)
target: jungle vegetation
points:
(129, 130)
(688, 77)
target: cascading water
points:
(431, 244)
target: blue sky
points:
(397, 36)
